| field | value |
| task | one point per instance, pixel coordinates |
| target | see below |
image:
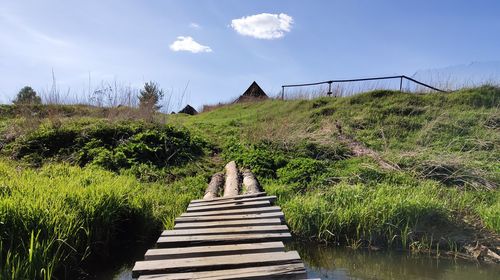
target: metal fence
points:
(401, 78)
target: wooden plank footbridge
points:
(237, 236)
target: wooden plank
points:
(229, 198)
(230, 223)
(234, 205)
(256, 210)
(271, 199)
(219, 239)
(229, 217)
(293, 271)
(226, 230)
(218, 250)
(214, 263)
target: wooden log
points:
(232, 185)
(250, 183)
(214, 186)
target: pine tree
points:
(27, 95)
(150, 96)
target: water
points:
(347, 264)
(344, 263)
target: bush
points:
(260, 158)
(27, 96)
(110, 145)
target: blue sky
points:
(272, 42)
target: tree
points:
(27, 95)
(150, 96)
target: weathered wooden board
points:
(236, 237)
(229, 217)
(226, 230)
(214, 263)
(218, 239)
(229, 223)
(255, 210)
(217, 250)
(292, 271)
(271, 199)
(234, 205)
(238, 197)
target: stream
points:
(344, 263)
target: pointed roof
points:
(254, 90)
(253, 93)
(189, 110)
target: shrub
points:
(109, 145)
(27, 96)
(261, 158)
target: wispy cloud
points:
(188, 44)
(194, 25)
(263, 26)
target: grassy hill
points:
(381, 169)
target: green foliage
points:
(55, 217)
(150, 96)
(301, 172)
(444, 144)
(27, 96)
(261, 158)
(362, 212)
(110, 145)
(490, 214)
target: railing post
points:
(401, 84)
(282, 92)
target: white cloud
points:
(187, 43)
(263, 26)
(194, 25)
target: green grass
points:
(64, 204)
(54, 218)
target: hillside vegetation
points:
(381, 169)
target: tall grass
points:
(55, 218)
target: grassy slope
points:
(445, 145)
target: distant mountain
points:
(456, 76)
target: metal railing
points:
(330, 82)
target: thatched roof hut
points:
(253, 93)
(188, 110)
